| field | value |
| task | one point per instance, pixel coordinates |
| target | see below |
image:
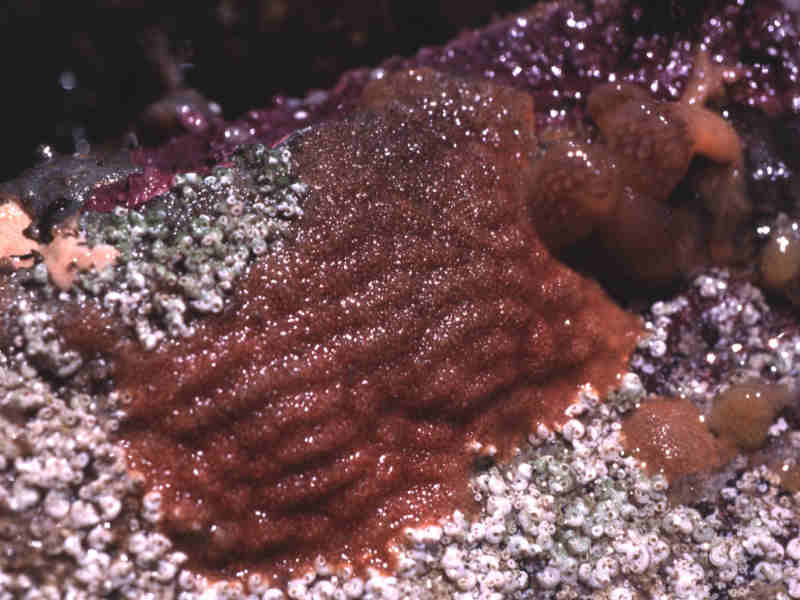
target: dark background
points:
(79, 70)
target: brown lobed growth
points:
(790, 478)
(618, 190)
(416, 314)
(669, 436)
(779, 261)
(744, 413)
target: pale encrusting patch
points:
(13, 243)
(65, 256)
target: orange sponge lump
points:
(744, 413)
(669, 436)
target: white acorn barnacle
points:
(110, 506)
(702, 532)
(496, 485)
(498, 506)
(432, 534)
(574, 514)
(613, 528)
(178, 180)
(84, 514)
(620, 593)
(578, 545)
(573, 430)
(353, 588)
(212, 237)
(297, 588)
(606, 510)
(659, 549)
(151, 506)
(258, 246)
(543, 432)
(718, 555)
(768, 571)
(560, 480)
(758, 542)
(659, 483)
(190, 286)
(224, 223)
(544, 542)
(518, 545)
(793, 548)
(135, 278)
(495, 532)
(627, 511)
(636, 555)
(452, 562)
(549, 577)
(477, 532)
(56, 504)
(793, 587)
(677, 521)
(119, 215)
(185, 242)
(585, 471)
(595, 530)
(467, 581)
(605, 569)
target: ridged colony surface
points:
(415, 313)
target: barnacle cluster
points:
(185, 249)
(619, 191)
(179, 255)
(65, 490)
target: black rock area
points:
(82, 72)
